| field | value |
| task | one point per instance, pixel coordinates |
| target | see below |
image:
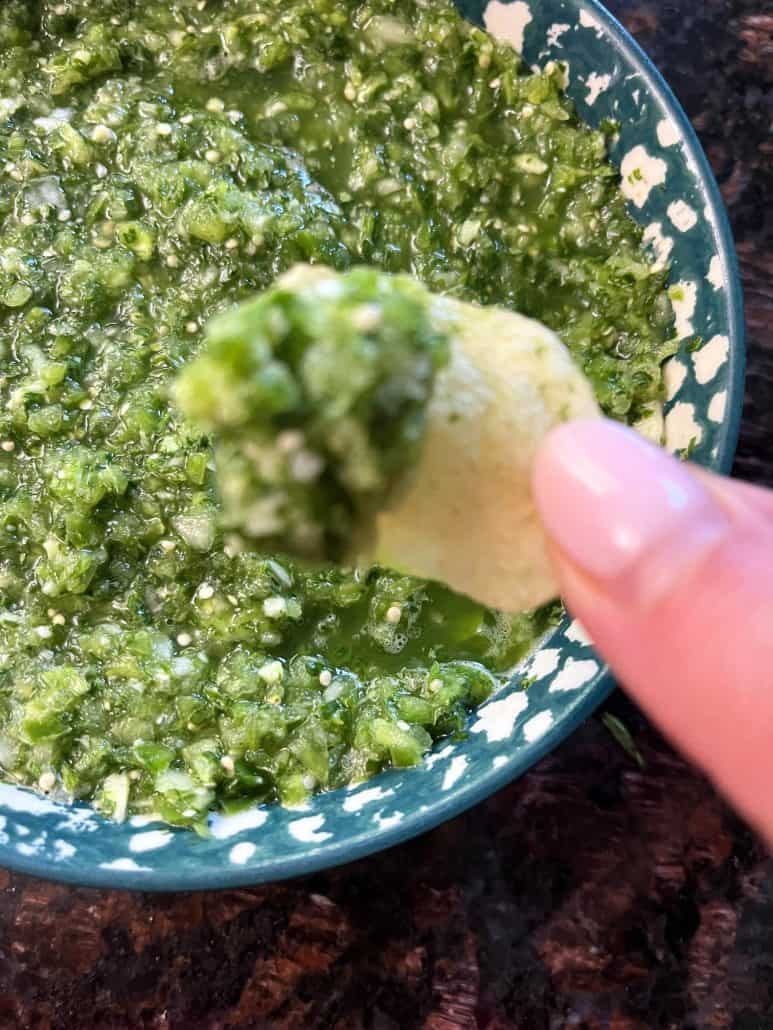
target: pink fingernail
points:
(609, 500)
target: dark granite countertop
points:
(590, 894)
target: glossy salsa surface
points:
(160, 162)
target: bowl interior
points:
(672, 193)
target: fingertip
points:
(669, 569)
(609, 501)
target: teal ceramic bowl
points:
(673, 194)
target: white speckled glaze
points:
(673, 196)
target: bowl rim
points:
(339, 852)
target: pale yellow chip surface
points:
(464, 513)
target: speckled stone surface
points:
(590, 894)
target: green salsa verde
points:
(316, 397)
(159, 163)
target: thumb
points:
(670, 569)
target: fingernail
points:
(612, 503)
